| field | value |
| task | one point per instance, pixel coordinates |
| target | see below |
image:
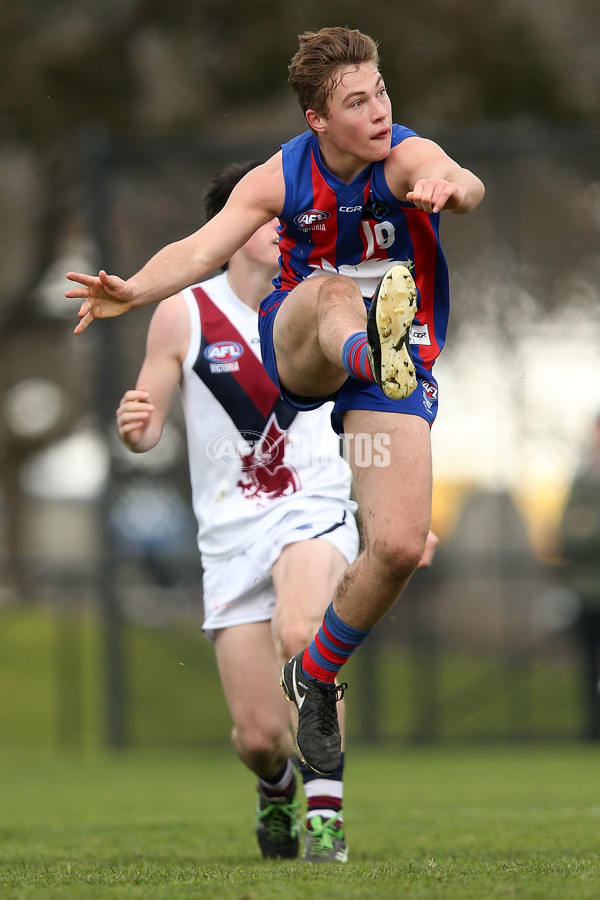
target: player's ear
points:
(315, 121)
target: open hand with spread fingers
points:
(104, 296)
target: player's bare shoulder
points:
(170, 328)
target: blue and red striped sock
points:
(354, 356)
(332, 646)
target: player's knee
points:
(294, 636)
(336, 287)
(258, 740)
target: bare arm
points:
(256, 199)
(419, 171)
(142, 412)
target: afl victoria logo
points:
(223, 351)
(311, 218)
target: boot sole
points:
(396, 305)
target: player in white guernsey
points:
(276, 527)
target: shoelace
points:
(322, 834)
(280, 818)
(340, 690)
(326, 712)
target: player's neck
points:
(250, 284)
(343, 165)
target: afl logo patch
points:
(430, 390)
(311, 218)
(223, 351)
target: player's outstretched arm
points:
(169, 271)
(256, 199)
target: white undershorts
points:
(239, 590)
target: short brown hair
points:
(217, 193)
(320, 56)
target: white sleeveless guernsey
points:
(252, 458)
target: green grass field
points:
(461, 822)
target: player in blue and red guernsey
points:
(359, 201)
(360, 230)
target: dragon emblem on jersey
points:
(265, 474)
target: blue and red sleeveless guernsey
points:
(360, 230)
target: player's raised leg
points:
(321, 335)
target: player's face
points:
(263, 246)
(359, 120)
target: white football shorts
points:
(239, 590)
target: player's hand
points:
(432, 195)
(133, 416)
(429, 551)
(104, 296)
